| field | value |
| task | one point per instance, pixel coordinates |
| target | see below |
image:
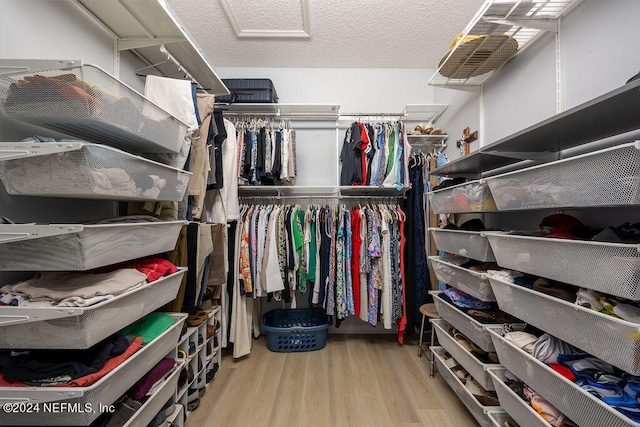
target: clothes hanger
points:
(162, 49)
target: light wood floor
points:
(356, 380)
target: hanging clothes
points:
(266, 156)
(375, 155)
(199, 156)
(349, 261)
(222, 205)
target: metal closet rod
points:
(252, 114)
(377, 115)
(284, 116)
(171, 58)
(386, 199)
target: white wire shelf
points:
(570, 399)
(498, 23)
(522, 412)
(470, 196)
(476, 409)
(143, 416)
(89, 171)
(610, 268)
(431, 141)
(81, 327)
(283, 111)
(144, 25)
(79, 247)
(411, 112)
(86, 102)
(104, 392)
(466, 359)
(470, 244)
(449, 270)
(467, 325)
(573, 324)
(573, 182)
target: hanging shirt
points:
(340, 292)
(356, 242)
(394, 155)
(245, 265)
(364, 144)
(350, 157)
(348, 253)
(271, 276)
(284, 150)
(298, 233)
(330, 298)
(386, 306)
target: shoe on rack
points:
(169, 407)
(209, 351)
(190, 375)
(193, 398)
(462, 375)
(197, 319)
(212, 328)
(488, 399)
(210, 375)
(200, 341)
(474, 387)
(182, 378)
(191, 406)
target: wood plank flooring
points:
(356, 380)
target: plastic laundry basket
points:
(292, 330)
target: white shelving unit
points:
(285, 111)
(611, 268)
(108, 113)
(143, 416)
(332, 112)
(437, 142)
(512, 25)
(100, 109)
(426, 112)
(105, 391)
(83, 327)
(205, 358)
(84, 170)
(153, 31)
(81, 247)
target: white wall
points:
(522, 92)
(600, 48)
(373, 91)
(463, 111)
(356, 90)
(53, 30)
(597, 56)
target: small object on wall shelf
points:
(464, 144)
(500, 30)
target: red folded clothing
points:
(87, 380)
(564, 371)
(153, 268)
(111, 364)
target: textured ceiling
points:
(343, 33)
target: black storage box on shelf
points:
(293, 330)
(249, 90)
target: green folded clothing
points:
(149, 327)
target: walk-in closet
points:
(319, 213)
